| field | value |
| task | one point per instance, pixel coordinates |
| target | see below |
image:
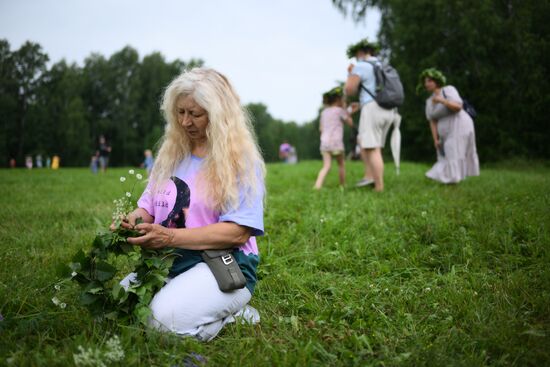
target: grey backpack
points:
(389, 90)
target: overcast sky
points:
(282, 53)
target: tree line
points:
(62, 109)
(495, 52)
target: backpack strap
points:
(368, 91)
(374, 66)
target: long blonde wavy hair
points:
(233, 159)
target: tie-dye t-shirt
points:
(178, 204)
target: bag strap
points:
(374, 66)
(368, 91)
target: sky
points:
(282, 53)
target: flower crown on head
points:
(336, 91)
(364, 44)
(333, 95)
(433, 74)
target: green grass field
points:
(421, 274)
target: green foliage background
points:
(495, 52)
(64, 108)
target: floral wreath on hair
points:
(362, 45)
(336, 91)
(433, 74)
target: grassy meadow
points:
(420, 275)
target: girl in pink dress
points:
(331, 127)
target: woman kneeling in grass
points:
(205, 193)
(332, 134)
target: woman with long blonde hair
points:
(205, 192)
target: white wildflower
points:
(74, 274)
(56, 301)
(100, 357)
(423, 214)
(114, 352)
(128, 194)
(131, 171)
(89, 357)
(122, 178)
(139, 176)
(57, 287)
(62, 305)
(427, 289)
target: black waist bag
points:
(227, 272)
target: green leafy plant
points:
(97, 271)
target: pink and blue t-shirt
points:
(178, 204)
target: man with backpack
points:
(380, 92)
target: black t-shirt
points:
(104, 150)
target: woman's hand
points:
(350, 68)
(438, 99)
(129, 222)
(154, 236)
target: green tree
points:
(495, 52)
(8, 103)
(29, 66)
(60, 119)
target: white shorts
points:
(192, 304)
(374, 124)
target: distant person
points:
(331, 127)
(38, 160)
(56, 162)
(284, 150)
(292, 157)
(375, 121)
(28, 162)
(48, 162)
(13, 163)
(103, 152)
(452, 130)
(94, 164)
(148, 161)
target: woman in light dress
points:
(452, 130)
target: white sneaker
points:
(364, 182)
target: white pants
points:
(374, 124)
(192, 304)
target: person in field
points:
(375, 121)
(331, 126)
(103, 153)
(205, 192)
(452, 130)
(148, 161)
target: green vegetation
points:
(495, 52)
(64, 108)
(422, 274)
